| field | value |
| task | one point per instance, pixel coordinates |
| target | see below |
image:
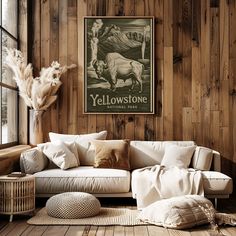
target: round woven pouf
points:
(73, 205)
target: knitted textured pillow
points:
(73, 205)
(178, 212)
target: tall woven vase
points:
(36, 129)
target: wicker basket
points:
(17, 195)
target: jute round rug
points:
(107, 216)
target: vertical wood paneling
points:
(168, 93)
(187, 123)
(159, 64)
(205, 71)
(168, 71)
(224, 62)
(196, 85)
(195, 67)
(214, 59)
(54, 55)
(178, 70)
(72, 75)
(232, 79)
(224, 77)
(45, 55)
(187, 56)
(82, 120)
(63, 41)
(232, 76)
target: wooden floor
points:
(20, 227)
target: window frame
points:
(3, 85)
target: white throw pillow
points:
(73, 148)
(178, 212)
(32, 161)
(86, 151)
(59, 154)
(178, 156)
(202, 158)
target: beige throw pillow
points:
(178, 212)
(32, 161)
(59, 154)
(112, 154)
(178, 156)
(85, 151)
(202, 158)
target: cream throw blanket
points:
(166, 183)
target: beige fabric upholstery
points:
(150, 153)
(85, 150)
(177, 212)
(176, 156)
(32, 161)
(73, 205)
(202, 158)
(213, 183)
(217, 183)
(83, 179)
(59, 154)
(159, 182)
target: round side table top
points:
(6, 178)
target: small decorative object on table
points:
(17, 195)
(38, 93)
(16, 174)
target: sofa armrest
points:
(216, 161)
(9, 158)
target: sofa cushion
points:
(216, 183)
(178, 156)
(59, 154)
(83, 179)
(178, 212)
(33, 160)
(149, 153)
(85, 150)
(202, 158)
(111, 154)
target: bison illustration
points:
(119, 67)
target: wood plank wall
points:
(195, 64)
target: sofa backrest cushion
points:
(202, 158)
(149, 153)
(85, 149)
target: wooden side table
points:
(17, 195)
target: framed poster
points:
(119, 65)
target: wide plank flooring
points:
(20, 227)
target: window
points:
(8, 88)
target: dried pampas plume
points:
(38, 93)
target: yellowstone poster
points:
(119, 65)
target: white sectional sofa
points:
(103, 182)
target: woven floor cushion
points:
(73, 205)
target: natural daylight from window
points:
(8, 88)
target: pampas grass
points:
(38, 93)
